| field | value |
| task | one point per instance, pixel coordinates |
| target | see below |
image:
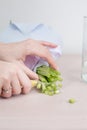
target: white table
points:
(36, 111)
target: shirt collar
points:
(25, 27)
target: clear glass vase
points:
(84, 51)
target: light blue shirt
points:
(21, 31)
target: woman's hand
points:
(19, 51)
(14, 75)
(14, 79)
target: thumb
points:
(30, 73)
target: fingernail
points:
(36, 76)
(56, 67)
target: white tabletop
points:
(37, 111)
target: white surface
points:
(36, 111)
(65, 16)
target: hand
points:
(19, 51)
(14, 79)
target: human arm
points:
(18, 51)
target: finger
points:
(25, 82)
(16, 87)
(6, 94)
(0, 90)
(1, 84)
(49, 44)
(30, 73)
(47, 56)
(6, 90)
(50, 60)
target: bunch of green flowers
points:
(50, 80)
